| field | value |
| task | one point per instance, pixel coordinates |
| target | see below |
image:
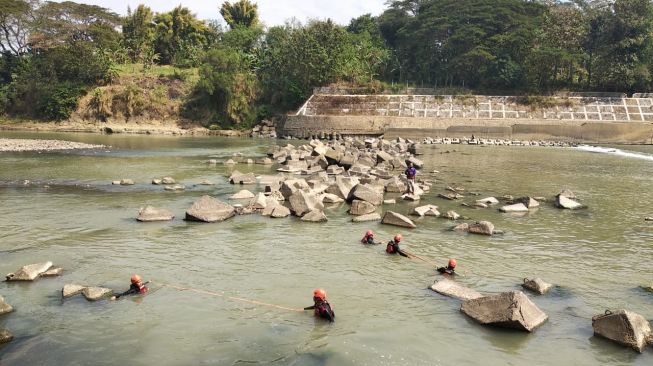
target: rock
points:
(96, 293)
(389, 202)
(382, 156)
(529, 202)
(395, 185)
(151, 213)
(359, 207)
(209, 209)
(648, 219)
(418, 164)
(464, 227)
(567, 203)
(396, 219)
(115, 182)
(367, 193)
(517, 207)
(536, 285)
(302, 202)
(4, 307)
(29, 272)
(52, 272)
(156, 181)
(450, 288)
(567, 193)
(280, 211)
(330, 198)
(71, 289)
(242, 195)
(488, 201)
(230, 162)
(623, 327)
(451, 215)
(264, 161)
(175, 187)
(206, 182)
(343, 186)
(259, 202)
(168, 180)
(411, 197)
(427, 210)
(451, 196)
(482, 228)
(315, 216)
(240, 178)
(290, 186)
(126, 182)
(5, 336)
(508, 310)
(369, 217)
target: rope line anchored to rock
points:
(235, 298)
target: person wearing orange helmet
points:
(393, 246)
(321, 306)
(450, 269)
(137, 287)
(369, 238)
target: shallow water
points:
(385, 313)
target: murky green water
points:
(385, 313)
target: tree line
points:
(53, 53)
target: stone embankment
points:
(43, 145)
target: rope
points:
(235, 298)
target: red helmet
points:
(319, 293)
(452, 263)
(369, 233)
(398, 237)
(136, 278)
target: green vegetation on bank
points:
(69, 60)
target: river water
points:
(386, 315)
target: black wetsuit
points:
(368, 240)
(322, 310)
(134, 289)
(393, 248)
(447, 270)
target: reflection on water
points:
(71, 214)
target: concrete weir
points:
(613, 119)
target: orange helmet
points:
(452, 263)
(319, 293)
(136, 278)
(369, 233)
(398, 237)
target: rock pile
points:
(265, 129)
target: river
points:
(386, 315)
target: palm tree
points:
(240, 13)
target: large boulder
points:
(71, 289)
(369, 217)
(151, 213)
(623, 327)
(517, 207)
(395, 185)
(343, 186)
(315, 216)
(481, 228)
(367, 193)
(280, 211)
(359, 207)
(508, 310)
(209, 209)
(290, 186)
(397, 219)
(382, 156)
(4, 307)
(451, 288)
(529, 202)
(536, 285)
(303, 201)
(242, 195)
(5, 336)
(96, 293)
(29, 272)
(567, 203)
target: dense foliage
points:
(53, 53)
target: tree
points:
(138, 31)
(180, 37)
(242, 13)
(16, 18)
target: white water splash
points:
(615, 151)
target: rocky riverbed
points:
(43, 145)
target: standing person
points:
(450, 269)
(411, 173)
(393, 246)
(321, 306)
(137, 287)
(369, 238)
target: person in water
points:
(450, 269)
(321, 306)
(411, 173)
(137, 287)
(393, 246)
(369, 238)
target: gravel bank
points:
(42, 145)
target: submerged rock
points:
(175, 187)
(517, 207)
(488, 201)
(451, 196)
(242, 195)
(508, 310)
(623, 327)
(411, 197)
(397, 219)
(5, 336)
(52, 272)
(168, 180)
(29, 272)
(482, 228)
(126, 182)
(451, 288)
(96, 293)
(4, 307)
(451, 215)
(567, 203)
(71, 289)
(529, 202)
(315, 216)
(151, 213)
(209, 209)
(427, 210)
(369, 217)
(536, 285)
(464, 227)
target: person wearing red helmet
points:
(137, 287)
(450, 269)
(393, 246)
(321, 306)
(369, 238)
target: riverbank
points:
(18, 145)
